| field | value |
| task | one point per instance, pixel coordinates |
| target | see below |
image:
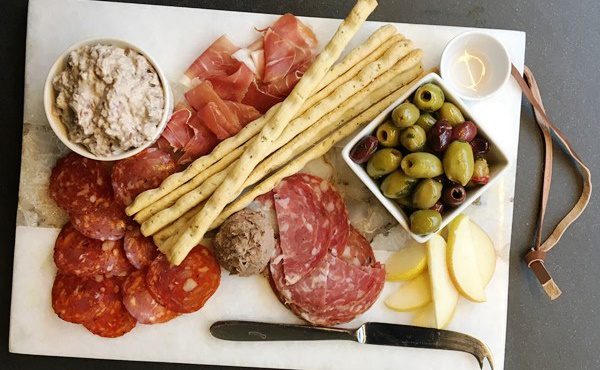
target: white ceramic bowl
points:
(59, 128)
(496, 158)
(481, 53)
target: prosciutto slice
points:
(214, 61)
(202, 143)
(204, 95)
(235, 85)
(245, 113)
(177, 132)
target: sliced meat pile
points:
(107, 270)
(232, 86)
(324, 270)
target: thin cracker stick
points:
(230, 188)
(338, 97)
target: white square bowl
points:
(497, 160)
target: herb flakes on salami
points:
(140, 303)
(140, 250)
(79, 299)
(186, 287)
(139, 173)
(79, 184)
(103, 224)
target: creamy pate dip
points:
(109, 98)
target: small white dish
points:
(58, 126)
(475, 64)
(498, 161)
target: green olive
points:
(425, 221)
(388, 134)
(451, 113)
(384, 161)
(429, 97)
(405, 115)
(405, 202)
(426, 194)
(413, 138)
(459, 162)
(397, 185)
(422, 165)
(426, 121)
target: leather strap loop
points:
(535, 257)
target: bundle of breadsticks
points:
(328, 104)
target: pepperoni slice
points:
(139, 249)
(114, 322)
(79, 184)
(76, 254)
(79, 299)
(303, 227)
(140, 303)
(335, 209)
(139, 173)
(356, 251)
(184, 288)
(117, 263)
(102, 224)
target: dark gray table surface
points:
(563, 49)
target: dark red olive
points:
(438, 206)
(480, 145)
(466, 131)
(364, 149)
(454, 195)
(440, 136)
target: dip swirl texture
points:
(109, 98)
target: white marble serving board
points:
(175, 36)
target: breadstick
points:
(231, 186)
(148, 197)
(164, 234)
(359, 53)
(315, 152)
(339, 96)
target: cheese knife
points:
(368, 333)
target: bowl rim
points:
(444, 73)
(396, 211)
(58, 126)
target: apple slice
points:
(444, 294)
(485, 253)
(425, 316)
(462, 262)
(411, 295)
(407, 263)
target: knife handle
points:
(261, 331)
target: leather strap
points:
(536, 256)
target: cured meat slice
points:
(260, 98)
(245, 113)
(356, 251)
(140, 303)
(102, 224)
(177, 132)
(79, 184)
(117, 263)
(215, 121)
(202, 143)
(335, 209)
(265, 204)
(141, 172)
(184, 288)
(79, 299)
(214, 61)
(287, 44)
(235, 85)
(139, 249)
(203, 94)
(283, 87)
(76, 254)
(303, 227)
(114, 322)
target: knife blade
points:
(369, 333)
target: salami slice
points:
(140, 303)
(265, 204)
(184, 288)
(356, 251)
(114, 322)
(103, 224)
(303, 227)
(79, 184)
(117, 263)
(75, 253)
(335, 209)
(139, 249)
(79, 299)
(139, 173)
